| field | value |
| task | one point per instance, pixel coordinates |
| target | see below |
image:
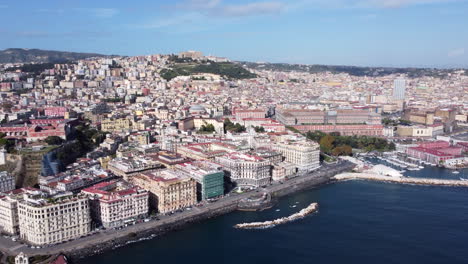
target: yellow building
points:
(169, 190)
(116, 124)
(414, 131)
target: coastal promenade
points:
(402, 180)
(110, 239)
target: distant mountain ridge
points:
(17, 55)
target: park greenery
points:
(188, 67)
(337, 145)
(259, 129)
(86, 139)
(230, 126)
(7, 144)
(54, 140)
(392, 122)
(207, 128)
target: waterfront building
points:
(304, 154)
(246, 170)
(115, 203)
(9, 223)
(282, 171)
(56, 219)
(435, 152)
(7, 182)
(169, 190)
(208, 175)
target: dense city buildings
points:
(115, 141)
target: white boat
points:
(277, 210)
(421, 167)
(294, 206)
(455, 172)
(463, 179)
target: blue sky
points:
(340, 32)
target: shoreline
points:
(109, 239)
(310, 209)
(400, 180)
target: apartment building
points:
(7, 182)
(304, 154)
(208, 175)
(169, 190)
(45, 221)
(246, 170)
(115, 203)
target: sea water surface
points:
(357, 222)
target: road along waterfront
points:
(109, 239)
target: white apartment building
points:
(9, 215)
(113, 204)
(7, 182)
(246, 170)
(54, 220)
(304, 154)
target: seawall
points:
(111, 239)
(402, 180)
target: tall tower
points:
(399, 88)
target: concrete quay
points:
(111, 239)
(402, 180)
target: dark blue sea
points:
(358, 222)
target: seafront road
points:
(10, 247)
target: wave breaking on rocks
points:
(268, 224)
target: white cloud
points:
(456, 53)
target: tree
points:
(326, 143)
(54, 140)
(259, 129)
(344, 150)
(207, 128)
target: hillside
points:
(42, 56)
(181, 67)
(352, 70)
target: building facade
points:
(7, 182)
(43, 222)
(208, 175)
(304, 154)
(169, 190)
(114, 204)
(246, 170)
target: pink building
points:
(55, 111)
(345, 130)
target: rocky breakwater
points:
(402, 180)
(267, 224)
